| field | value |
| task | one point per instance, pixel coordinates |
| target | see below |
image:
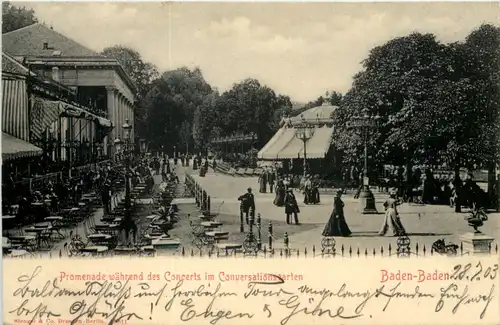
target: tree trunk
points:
(409, 178)
(491, 183)
(458, 190)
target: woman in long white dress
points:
(392, 221)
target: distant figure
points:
(270, 179)
(336, 225)
(291, 207)
(263, 182)
(315, 199)
(279, 199)
(247, 202)
(106, 198)
(307, 190)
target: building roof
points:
(323, 112)
(318, 115)
(30, 40)
(38, 42)
(10, 65)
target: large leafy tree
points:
(483, 70)
(171, 106)
(205, 121)
(438, 102)
(252, 107)
(16, 17)
(396, 83)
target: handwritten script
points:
(41, 298)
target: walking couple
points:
(337, 225)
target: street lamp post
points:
(127, 225)
(365, 122)
(304, 132)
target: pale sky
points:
(298, 49)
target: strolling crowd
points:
(336, 225)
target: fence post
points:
(259, 239)
(208, 204)
(196, 193)
(242, 227)
(286, 240)
(270, 235)
(198, 204)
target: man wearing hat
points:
(247, 202)
(291, 207)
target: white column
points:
(111, 108)
(119, 118)
(124, 116)
(117, 115)
(132, 116)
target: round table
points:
(211, 224)
(54, 218)
(6, 243)
(7, 223)
(16, 253)
(38, 230)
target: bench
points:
(249, 172)
(165, 243)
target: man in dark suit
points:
(291, 207)
(247, 202)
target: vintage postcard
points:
(250, 163)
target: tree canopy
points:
(14, 17)
(438, 102)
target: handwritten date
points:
(470, 273)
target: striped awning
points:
(13, 148)
(15, 108)
(279, 141)
(45, 112)
(285, 145)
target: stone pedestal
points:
(367, 202)
(476, 243)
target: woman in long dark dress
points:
(279, 199)
(336, 225)
(315, 192)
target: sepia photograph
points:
(253, 130)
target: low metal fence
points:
(401, 248)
